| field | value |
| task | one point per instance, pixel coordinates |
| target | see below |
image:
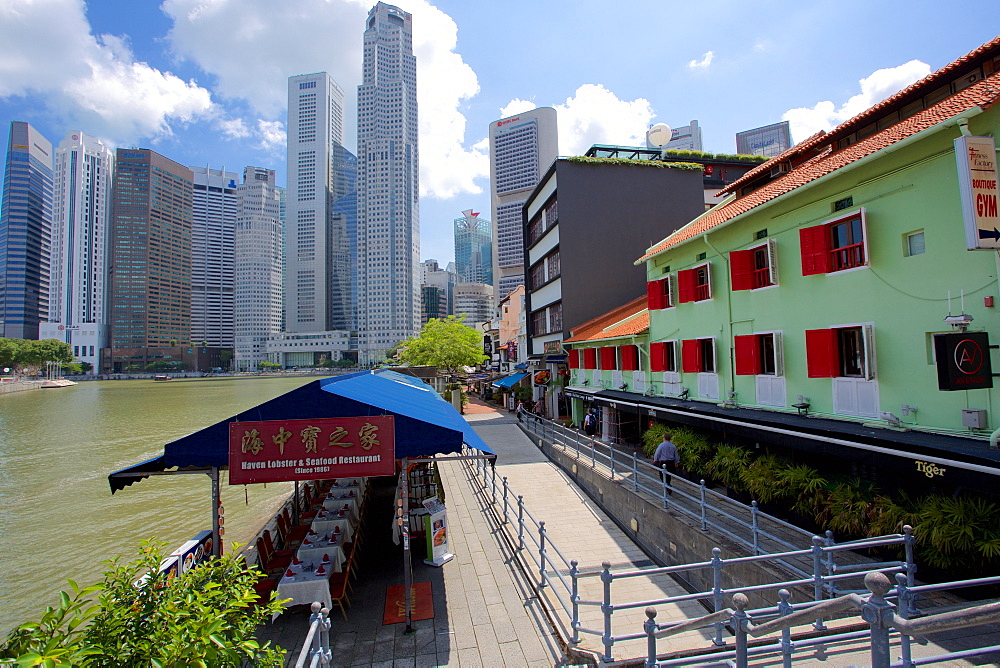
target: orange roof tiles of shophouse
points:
(914, 109)
(626, 320)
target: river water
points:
(58, 518)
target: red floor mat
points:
(421, 602)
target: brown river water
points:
(58, 519)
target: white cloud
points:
(234, 128)
(702, 64)
(49, 50)
(251, 47)
(517, 106)
(595, 115)
(272, 135)
(807, 121)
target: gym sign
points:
(963, 361)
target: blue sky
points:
(204, 81)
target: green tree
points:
(268, 366)
(10, 352)
(205, 617)
(447, 344)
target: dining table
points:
(305, 583)
(323, 548)
(337, 503)
(338, 522)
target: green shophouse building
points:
(801, 312)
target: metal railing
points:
(876, 610)
(562, 577)
(745, 524)
(316, 647)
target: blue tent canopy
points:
(425, 424)
(509, 381)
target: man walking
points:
(666, 458)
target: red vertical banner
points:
(281, 450)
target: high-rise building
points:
(321, 182)
(474, 248)
(258, 266)
(25, 229)
(388, 185)
(150, 269)
(521, 148)
(78, 279)
(475, 302)
(212, 240)
(768, 140)
(684, 138)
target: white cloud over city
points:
(880, 84)
(92, 81)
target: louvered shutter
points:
(590, 358)
(657, 357)
(741, 269)
(814, 244)
(691, 356)
(747, 355)
(822, 357)
(608, 361)
(630, 358)
(686, 281)
(574, 359)
(653, 295)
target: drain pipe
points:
(729, 335)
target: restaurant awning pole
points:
(295, 505)
(407, 558)
(216, 542)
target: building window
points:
(659, 294)
(757, 354)
(609, 358)
(834, 246)
(694, 285)
(663, 356)
(535, 229)
(754, 268)
(698, 355)
(840, 352)
(552, 262)
(537, 275)
(915, 243)
(590, 358)
(555, 318)
(538, 322)
(629, 357)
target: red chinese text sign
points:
(280, 450)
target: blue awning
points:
(426, 424)
(509, 381)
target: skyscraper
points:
(321, 176)
(25, 229)
(258, 265)
(473, 248)
(768, 140)
(521, 148)
(81, 234)
(212, 239)
(388, 185)
(150, 271)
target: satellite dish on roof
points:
(658, 135)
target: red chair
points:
(264, 589)
(291, 535)
(288, 552)
(268, 562)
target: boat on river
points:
(162, 377)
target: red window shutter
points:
(822, 356)
(608, 360)
(741, 269)
(690, 356)
(654, 295)
(747, 355)
(686, 281)
(657, 356)
(574, 359)
(814, 244)
(590, 358)
(630, 358)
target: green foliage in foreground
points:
(958, 533)
(684, 166)
(205, 617)
(26, 355)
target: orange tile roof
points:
(826, 159)
(626, 320)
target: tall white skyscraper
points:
(522, 147)
(258, 266)
(318, 295)
(78, 279)
(213, 226)
(388, 185)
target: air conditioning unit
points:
(781, 168)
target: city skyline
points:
(197, 84)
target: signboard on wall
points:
(977, 188)
(963, 361)
(281, 450)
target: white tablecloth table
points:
(329, 524)
(334, 503)
(358, 484)
(306, 585)
(309, 553)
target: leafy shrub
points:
(728, 465)
(761, 479)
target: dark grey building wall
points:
(608, 216)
